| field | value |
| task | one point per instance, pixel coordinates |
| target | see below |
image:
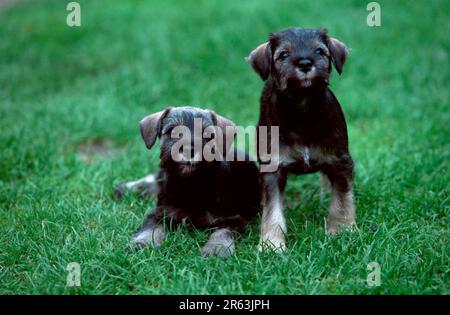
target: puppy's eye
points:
(319, 51)
(283, 55)
(168, 131)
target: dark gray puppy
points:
(217, 194)
(296, 65)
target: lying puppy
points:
(218, 194)
(296, 65)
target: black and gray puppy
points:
(296, 65)
(218, 194)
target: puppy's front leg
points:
(342, 211)
(273, 225)
(152, 231)
(220, 243)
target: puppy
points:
(296, 65)
(216, 194)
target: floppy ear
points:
(260, 60)
(151, 127)
(339, 52)
(228, 129)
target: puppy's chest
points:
(195, 193)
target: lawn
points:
(64, 91)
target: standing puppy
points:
(296, 65)
(193, 188)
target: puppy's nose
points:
(305, 64)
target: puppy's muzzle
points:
(305, 65)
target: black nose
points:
(305, 65)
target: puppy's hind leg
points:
(145, 186)
(220, 243)
(152, 231)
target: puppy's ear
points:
(260, 60)
(228, 129)
(339, 52)
(151, 127)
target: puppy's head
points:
(186, 134)
(298, 58)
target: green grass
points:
(62, 86)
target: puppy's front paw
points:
(275, 245)
(218, 249)
(272, 240)
(120, 190)
(335, 227)
(153, 237)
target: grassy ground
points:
(62, 87)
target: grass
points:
(62, 87)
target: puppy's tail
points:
(146, 187)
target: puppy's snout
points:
(304, 64)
